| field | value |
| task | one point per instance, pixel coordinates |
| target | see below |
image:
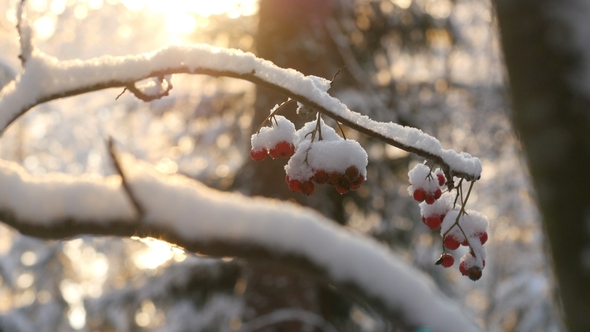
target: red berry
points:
(259, 154)
(465, 243)
(433, 222)
(474, 273)
(351, 174)
(344, 183)
(341, 190)
(483, 237)
(462, 268)
(287, 178)
(446, 260)
(334, 178)
(429, 199)
(307, 187)
(282, 150)
(451, 243)
(295, 185)
(419, 195)
(321, 177)
(357, 184)
(441, 179)
(437, 193)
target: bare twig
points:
(148, 97)
(273, 113)
(138, 208)
(120, 94)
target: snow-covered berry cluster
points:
(318, 155)
(458, 227)
(276, 141)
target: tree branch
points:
(25, 34)
(202, 220)
(46, 78)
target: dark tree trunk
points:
(546, 48)
(291, 34)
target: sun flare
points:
(180, 16)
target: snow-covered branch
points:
(45, 78)
(191, 215)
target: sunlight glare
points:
(181, 16)
(155, 254)
(180, 23)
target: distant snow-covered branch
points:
(189, 214)
(45, 78)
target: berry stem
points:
(271, 115)
(462, 212)
(459, 186)
(341, 130)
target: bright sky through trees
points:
(178, 17)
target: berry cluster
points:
(317, 155)
(457, 226)
(275, 141)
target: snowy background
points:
(451, 90)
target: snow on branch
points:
(45, 78)
(202, 220)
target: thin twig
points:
(145, 97)
(461, 213)
(275, 112)
(341, 130)
(338, 72)
(138, 208)
(120, 94)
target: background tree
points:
(546, 60)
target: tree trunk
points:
(546, 49)
(291, 35)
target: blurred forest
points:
(434, 65)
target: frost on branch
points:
(200, 219)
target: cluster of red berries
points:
(276, 140)
(458, 226)
(280, 150)
(350, 180)
(428, 191)
(317, 154)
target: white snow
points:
(473, 224)
(46, 78)
(58, 196)
(421, 178)
(330, 154)
(328, 133)
(280, 130)
(439, 208)
(195, 212)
